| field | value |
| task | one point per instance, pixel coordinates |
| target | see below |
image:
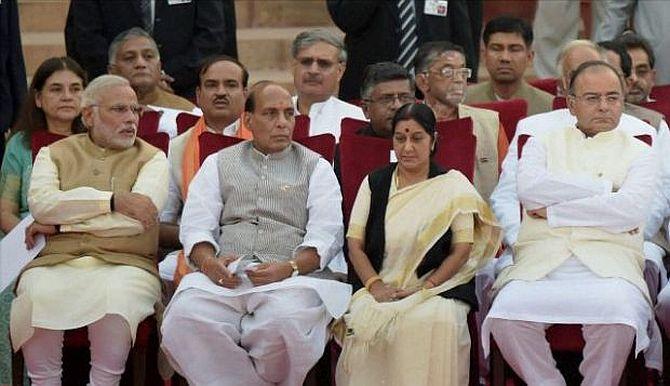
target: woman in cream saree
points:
(416, 238)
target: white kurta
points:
(326, 117)
(168, 120)
(79, 292)
(572, 294)
(236, 321)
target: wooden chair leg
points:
(17, 368)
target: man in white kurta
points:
(262, 226)
(578, 257)
(319, 60)
(98, 267)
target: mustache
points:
(223, 98)
(312, 78)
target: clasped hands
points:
(383, 292)
(216, 269)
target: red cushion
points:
(39, 139)
(559, 103)
(324, 144)
(349, 126)
(185, 121)
(148, 123)
(159, 140)
(510, 113)
(549, 85)
(456, 145)
(210, 143)
(301, 128)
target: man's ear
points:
(87, 116)
(111, 69)
(422, 83)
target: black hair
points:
(383, 72)
(508, 24)
(619, 49)
(210, 60)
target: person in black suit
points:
(186, 31)
(12, 68)
(373, 32)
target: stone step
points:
(39, 46)
(281, 13)
(43, 15)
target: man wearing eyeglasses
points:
(319, 60)
(442, 77)
(585, 191)
(96, 197)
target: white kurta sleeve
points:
(539, 188)
(202, 209)
(504, 201)
(173, 206)
(50, 205)
(325, 227)
(151, 182)
(620, 211)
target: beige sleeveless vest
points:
(485, 127)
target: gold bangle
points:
(371, 281)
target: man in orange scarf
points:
(221, 92)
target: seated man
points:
(319, 59)
(441, 77)
(262, 225)
(133, 54)
(578, 258)
(507, 53)
(98, 267)
(643, 63)
(221, 90)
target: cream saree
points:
(422, 339)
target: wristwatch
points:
(294, 266)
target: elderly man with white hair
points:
(98, 268)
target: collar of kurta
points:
(99, 151)
(272, 156)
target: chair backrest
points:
(660, 92)
(359, 156)
(148, 123)
(159, 140)
(39, 139)
(210, 143)
(301, 128)
(661, 105)
(324, 144)
(349, 126)
(185, 121)
(549, 85)
(510, 113)
(456, 146)
(559, 103)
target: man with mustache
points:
(262, 226)
(643, 62)
(584, 190)
(319, 60)
(134, 55)
(441, 76)
(96, 197)
(507, 54)
(221, 91)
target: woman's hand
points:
(387, 293)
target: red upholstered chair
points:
(456, 145)
(359, 156)
(660, 92)
(661, 105)
(301, 128)
(210, 143)
(567, 338)
(559, 103)
(349, 126)
(510, 113)
(324, 144)
(159, 140)
(148, 123)
(549, 85)
(39, 139)
(185, 121)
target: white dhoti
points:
(572, 294)
(265, 335)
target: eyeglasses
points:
(120, 109)
(389, 99)
(594, 99)
(322, 64)
(451, 73)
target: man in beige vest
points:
(643, 63)
(441, 76)
(134, 55)
(578, 256)
(262, 227)
(221, 91)
(507, 55)
(96, 197)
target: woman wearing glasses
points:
(416, 237)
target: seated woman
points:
(416, 237)
(53, 104)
